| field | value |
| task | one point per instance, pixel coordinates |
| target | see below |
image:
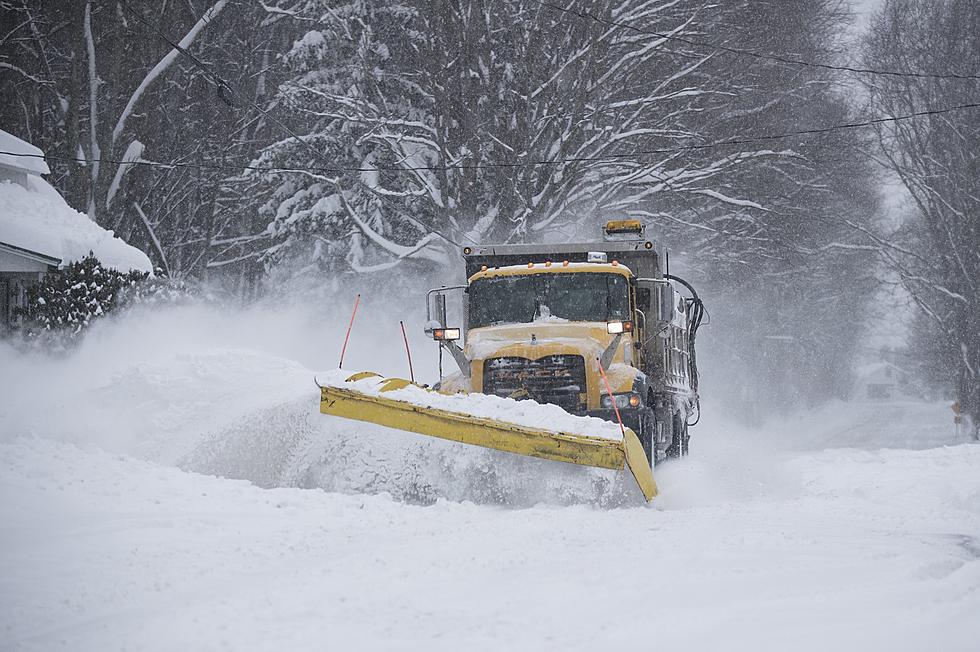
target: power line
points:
(224, 86)
(174, 165)
(752, 53)
(516, 164)
(219, 83)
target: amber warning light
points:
(619, 227)
(447, 334)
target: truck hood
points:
(539, 339)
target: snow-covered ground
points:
(855, 528)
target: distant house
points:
(880, 381)
(40, 232)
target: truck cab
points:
(597, 329)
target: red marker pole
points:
(612, 398)
(357, 300)
(408, 351)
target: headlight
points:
(623, 401)
(617, 327)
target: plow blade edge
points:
(489, 433)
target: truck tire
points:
(647, 433)
(680, 434)
(663, 435)
(680, 439)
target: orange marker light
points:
(530, 265)
(615, 263)
(547, 263)
(564, 263)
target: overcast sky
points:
(863, 8)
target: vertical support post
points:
(612, 398)
(408, 351)
(343, 350)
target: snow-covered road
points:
(877, 551)
(353, 537)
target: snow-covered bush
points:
(69, 300)
(64, 304)
(155, 290)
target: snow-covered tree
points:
(66, 303)
(99, 106)
(787, 266)
(492, 121)
(408, 129)
(936, 159)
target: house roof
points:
(38, 219)
(31, 255)
(32, 164)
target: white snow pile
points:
(540, 265)
(206, 398)
(123, 531)
(520, 413)
(38, 219)
(485, 342)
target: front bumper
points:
(631, 417)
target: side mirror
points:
(435, 325)
(436, 310)
(643, 299)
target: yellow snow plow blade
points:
(499, 435)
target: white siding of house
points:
(13, 262)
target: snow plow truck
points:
(552, 335)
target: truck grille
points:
(556, 379)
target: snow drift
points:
(760, 540)
(206, 398)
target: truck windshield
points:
(525, 298)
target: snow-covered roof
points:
(38, 219)
(542, 267)
(33, 164)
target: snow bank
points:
(39, 219)
(869, 425)
(753, 545)
(107, 552)
(232, 393)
